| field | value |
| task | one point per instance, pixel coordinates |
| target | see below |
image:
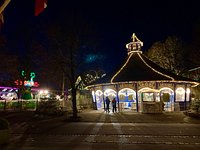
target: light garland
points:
(134, 52)
(98, 93)
(153, 68)
(110, 92)
(147, 90)
(121, 68)
(128, 90)
(188, 91)
(131, 53)
(135, 40)
(135, 45)
(132, 92)
(93, 96)
(180, 91)
(166, 88)
(194, 84)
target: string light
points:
(180, 91)
(153, 68)
(127, 91)
(121, 68)
(93, 96)
(132, 92)
(188, 91)
(148, 90)
(98, 93)
(166, 88)
(110, 92)
(193, 84)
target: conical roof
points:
(138, 67)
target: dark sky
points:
(115, 20)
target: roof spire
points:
(135, 45)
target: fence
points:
(21, 104)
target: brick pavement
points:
(94, 115)
(133, 117)
(24, 124)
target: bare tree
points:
(67, 40)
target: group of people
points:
(114, 105)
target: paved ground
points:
(98, 130)
(93, 116)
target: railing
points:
(21, 104)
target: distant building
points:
(140, 85)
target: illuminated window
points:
(98, 93)
(127, 93)
(148, 97)
(166, 94)
(188, 94)
(180, 95)
(110, 92)
(99, 99)
(93, 96)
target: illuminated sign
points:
(27, 82)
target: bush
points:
(194, 110)
(29, 104)
(2, 105)
(196, 105)
(49, 107)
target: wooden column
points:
(174, 95)
(136, 90)
(95, 101)
(104, 106)
(117, 89)
(185, 101)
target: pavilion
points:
(140, 85)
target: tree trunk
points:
(63, 85)
(74, 102)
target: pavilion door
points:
(168, 100)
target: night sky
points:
(115, 21)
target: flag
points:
(40, 5)
(2, 7)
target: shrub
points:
(29, 104)
(2, 105)
(27, 95)
(196, 105)
(49, 107)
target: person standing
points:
(114, 105)
(107, 104)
